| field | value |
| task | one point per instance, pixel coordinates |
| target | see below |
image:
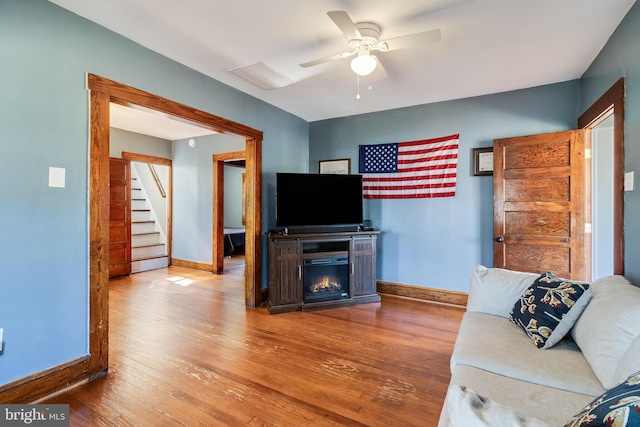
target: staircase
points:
(148, 243)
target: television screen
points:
(318, 199)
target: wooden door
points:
(540, 204)
(119, 218)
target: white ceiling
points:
(153, 123)
(487, 46)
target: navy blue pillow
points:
(619, 406)
(549, 308)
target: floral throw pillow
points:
(619, 407)
(549, 308)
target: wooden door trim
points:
(217, 240)
(135, 98)
(612, 101)
(144, 158)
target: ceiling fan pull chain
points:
(357, 86)
(370, 87)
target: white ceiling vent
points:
(261, 75)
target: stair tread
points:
(145, 255)
(148, 258)
(148, 246)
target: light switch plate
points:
(56, 177)
(1, 333)
(628, 181)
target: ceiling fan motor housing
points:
(370, 33)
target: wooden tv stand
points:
(287, 253)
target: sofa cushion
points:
(629, 362)
(494, 344)
(549, 308)
(494, 290)
(608, 326)
(619, 407)
(468, 408)
(531, 400)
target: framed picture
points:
(483, 161)
(336, 166)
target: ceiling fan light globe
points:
(363, 65)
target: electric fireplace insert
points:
(326, 278)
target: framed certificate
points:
(337, 166)
(483, 161)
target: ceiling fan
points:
(364, 40)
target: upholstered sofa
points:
(507, 371)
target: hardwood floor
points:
(184, 351)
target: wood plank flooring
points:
(184, 351)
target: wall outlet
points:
(628, 181)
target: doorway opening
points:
(227, 235)
(602, 198)
(151, 211)
(103, 92)
(234, 213)
(605, 120)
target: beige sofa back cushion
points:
(608, 326)
(629, 363)
(496, 290)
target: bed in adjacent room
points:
(233, 241)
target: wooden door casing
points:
(540, 204)
(119, 218)
(612, 102)
(217, 239)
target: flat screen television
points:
(307, 202)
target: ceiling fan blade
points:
(414, 40)
(327, 59)
(346, 25)
(379, 73)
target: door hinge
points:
(587, 227)
(587, 153)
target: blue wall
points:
(233, 196)
(621, 58)
(436, 242)
(45, 53)
(193, 194)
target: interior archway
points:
(102, 92)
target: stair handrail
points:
(157, 180)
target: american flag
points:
(408, 170)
